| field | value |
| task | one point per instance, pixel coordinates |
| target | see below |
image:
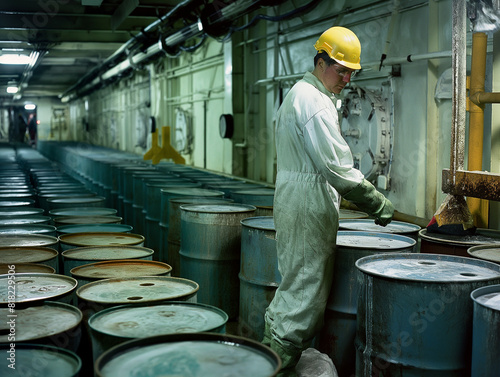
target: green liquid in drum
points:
(40, 363)
(190, 359)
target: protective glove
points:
(368, 199)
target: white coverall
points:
(315, 167)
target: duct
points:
(127, 46)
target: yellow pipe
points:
(478, 207)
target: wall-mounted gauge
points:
(226, 126)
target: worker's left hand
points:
(385, 214)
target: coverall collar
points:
(314, 81)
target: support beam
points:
(475, 184)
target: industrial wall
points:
(399, 127)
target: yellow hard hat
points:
(342, 45)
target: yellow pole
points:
(478, 207)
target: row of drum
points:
(425, 300)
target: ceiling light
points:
(12, 89)
(15, 59)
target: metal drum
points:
(30, 254)
(153, 210)
(395, 227)
(34, 288)
(437, 243)
(122, 268)
(72, 240)
(229, 187)
(98, 295)
(174, 227)
(53, 323)
(43, 229)
(337, 336)
(90, 201)
(210, 251)
(489, 253)
(350, 214)
(415, 313)
(20, 268)
(94, 228)
(259, 275)
(116, 325)
(84, 255)
(39, 360)
(76, 220)
(485, 331)
(170, 193)
(186, 355)
(83, 211)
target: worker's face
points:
(334, 77)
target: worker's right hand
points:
(385, 214)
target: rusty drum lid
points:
(489, 297)
(139, 290)
(32, 287)
(120, 269)
(27, 240)
(428, 268)
(103, 253)
(19, 268)
(63, 363)
(368, 225)
(16, 255)
(101, 239)
(40, 321)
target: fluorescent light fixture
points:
(15, 59)
(30, 106)
(12, 89)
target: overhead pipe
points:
(124, 48)
(235, 9)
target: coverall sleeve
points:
(330, 153)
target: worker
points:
(314, 170)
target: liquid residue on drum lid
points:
(52, 361)
(367, 240)
(190, 358)
(36, 286)
(137, 290)
(105, 238)
(422, 267)
(108, 252)
(121, 268)
(144, 321)
(41, 321)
